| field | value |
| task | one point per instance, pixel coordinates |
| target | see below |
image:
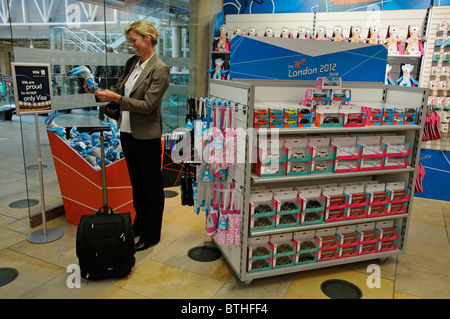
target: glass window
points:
(71, 33)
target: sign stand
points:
(45, 235)
(32, 85)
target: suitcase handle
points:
(105, 210)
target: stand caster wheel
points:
(382, 260)
(247, 283)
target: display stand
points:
(81, 184)
(44, 235)
(247, 93)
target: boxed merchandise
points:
(395, 145)
(321, 148)
(335, 197)
(290, 123)
(374, 115)
(285, 261)
(306, 241)
(283, 245)
(276, 123)
(287, 202)
(306, 258)
(262, 223)
(262, 211)
(395, 162)
(345, 166)
(367, 248)
(313, 206)
(322, 167)
(367, 233)
(371, 164)
(310, 218)
(356, 212)
(328, 244)
(270, 158)
(261, 111)
(335, 214)
(270, 150)
(298, 168)
(312, 200)
(397, 208)
(356, 195)
(386, 230)
(328, 116)
(259, 248)
(377, 194)
(318, 95)
(371, 146)
(345, 148)
(341, 95)
(287, 220)
(327, 238)
(291, 111)
(410, 116)
(261, 123)
(259, 265)
(262, 205)
(328, 83)
(276, 112)
(353, 115)
(297, 150)
(377, 210)
(269, 169)
(397, 192)
(348, 241)
(386, 245)
(388, 115)
(288, 209)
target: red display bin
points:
(81, 184)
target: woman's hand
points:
(107, 96)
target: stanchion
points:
(44, 235)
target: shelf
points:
(304, 130)
(321, 264)
(220, 52)
(405, 56)
(324, 225)
(285, 179)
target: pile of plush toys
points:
(88, 145)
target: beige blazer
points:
(144, 102)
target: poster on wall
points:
(288, 59)
(292, 6)
(32, 88)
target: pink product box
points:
(375, 210)
(334, 215)
(356, 212)
(395, 162)
(397, 208)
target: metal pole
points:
(44, 235)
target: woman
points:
(139, 93)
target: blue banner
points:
(298, 59)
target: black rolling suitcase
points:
(105, 240)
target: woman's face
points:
(141, 44)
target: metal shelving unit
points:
(247, 92)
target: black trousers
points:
(143, 159)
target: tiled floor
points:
(165, 271)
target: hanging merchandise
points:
(187, 186)
(431, 128)
(419, 178)
(213, 218)
(223, 219)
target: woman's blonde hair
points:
(143, 28)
